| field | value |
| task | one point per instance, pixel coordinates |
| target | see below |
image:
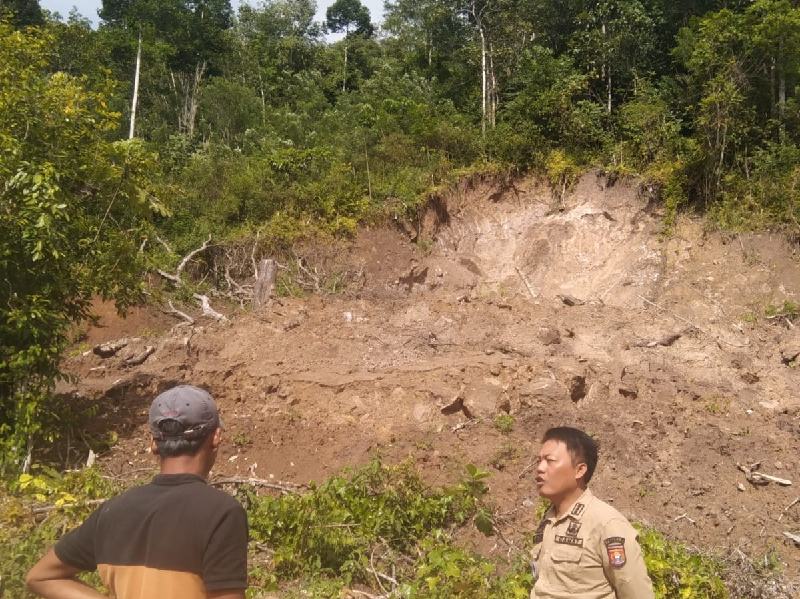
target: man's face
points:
(556, 475)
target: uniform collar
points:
(576, 510)
(177, 479)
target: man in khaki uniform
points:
(583, 548)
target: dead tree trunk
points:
(135, 99)
(265, 283)
(344, 71)
(187, 90)
(484, 85)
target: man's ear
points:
(153, 446)
(216, 438)
(580, 470)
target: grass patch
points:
(504, 423)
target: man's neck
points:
(183, 465)
(563, 503)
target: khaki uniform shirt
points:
(590, 553)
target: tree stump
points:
(266, 272)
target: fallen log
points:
(109, 348)
(667, 340)
(141, 357)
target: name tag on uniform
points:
(576, 541)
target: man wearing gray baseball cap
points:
(174, 538)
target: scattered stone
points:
(455, 406)
(750, 378)
(577, 388)
(421, 412)
(495, 370)
(542, 389)
(482, 398)
(549, 336)
(792, 537)
(628, 391)
(570, 300)
(789, 354)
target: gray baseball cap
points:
(191, 407)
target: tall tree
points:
(23, 13)
(192, 39)
(614, 44)
(352, 18)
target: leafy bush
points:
(677, 572)
(334, 529)
(562, 172)
(72, 215)
(65, 500)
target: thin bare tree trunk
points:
(607, 71)
(135, 100)
(344, 73)
(781, 90)
(369, 177)
(493, 96)
(483, 80)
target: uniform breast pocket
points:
(564, 555)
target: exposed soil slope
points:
(482, 318)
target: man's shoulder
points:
(602, 512)
(201, 494)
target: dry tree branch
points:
(283, 487)
(178, 313)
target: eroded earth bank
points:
(677, 352)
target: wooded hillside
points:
(125, 147)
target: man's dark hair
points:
(173, 444)
(581, 447)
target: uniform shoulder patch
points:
(578, 509)
(615, 547)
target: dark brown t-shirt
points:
(175, 538)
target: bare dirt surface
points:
(665, 355)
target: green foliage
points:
(376, 518)
(504, 422)
(349, 16)
(67, 500)
(382, 517)
(446, 571)
(562, 172)
(22, 13)
(333, 529)
(787, 309)
(73, 209)
(677, 572)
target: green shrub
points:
(504, 423)
(678, 572)
(67, 499)
(333, 529)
